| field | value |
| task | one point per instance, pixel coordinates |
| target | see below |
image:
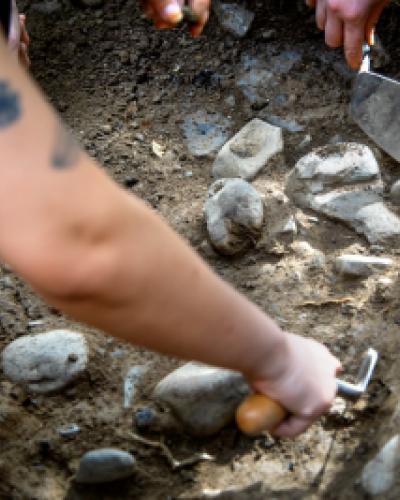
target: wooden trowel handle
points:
(258, 413)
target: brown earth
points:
(120, 85)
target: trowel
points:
(375, 106)
(259, 413)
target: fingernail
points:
(172, 13)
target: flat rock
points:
(380, 474)
(205, 132)
(234, 215)
(233, 18)
(105, 465)
(203, 398)
(360, 265)
(343, 182)
(248, 151)
(45, 362)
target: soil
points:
(120, 85)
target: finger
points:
(320, 14)
(148, 10)
(333, 30)
(373, 20)
(168, 11)
(311, 3)
(201, 9)
(292, 427)
(353, 41)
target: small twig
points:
(174, 463)
(326, 302)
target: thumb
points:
(373, 19)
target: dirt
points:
(120, 85)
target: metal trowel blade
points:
(375, 107)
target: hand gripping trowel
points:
(375, 106)
(258, 413)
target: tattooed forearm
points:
(10, 110)
(66, 150)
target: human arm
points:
(348, 23)
(105, 258)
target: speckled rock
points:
(234, 18)
(46, 362)
(203, 398)
(234, 215)
(395, 193)
(248, 151)
(105, 465)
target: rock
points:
(105, 465)
(234, 215)
(380, 474)
(314, 259)
(291, 126)
(46, 362)
(360, 265)
(131, 379)
(69, 431)
(248, 151)
(343, 181)
(205, 132)
(203, 398)
(234, 18)
(395, 193)
(258, 77)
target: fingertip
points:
(172, 13)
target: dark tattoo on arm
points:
(66, 150)
(10, 110)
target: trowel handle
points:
(258, 413)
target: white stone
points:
(361, 265)
(45, 362)
(234, 215)
(379, 475)
(248, 151)
(105, 465)
(203, 398)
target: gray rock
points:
(360, 265)
(258, 78)
(46, 362)
(395, 193)
(234, 18)
(203, 398)
(343, 181)
(291, 126)
(69, 431)
(234, 215)
(380, 474)
(205, 132)
(104, 465)
(332, 166)
(248, 151)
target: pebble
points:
(104, 465)
(343, 182)
(248, 151)
(395, 193)
(233, 18)
(69, 431)
(203, 398)
(205, 132)
(131, 379)
(46, 362)
(360, 265)
(234, 215)
(380, 474)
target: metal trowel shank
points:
(375, 107)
